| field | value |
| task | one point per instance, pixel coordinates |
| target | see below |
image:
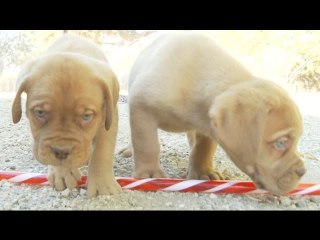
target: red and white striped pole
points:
(167, 184)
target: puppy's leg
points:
(145, 144)
(61, 177)
(191, 138)
(200, 163)
(101, 180)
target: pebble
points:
(285, 201)
(7, 206)
(300, 204)
(315, 199)
(65, 192)
(213, 196)
(83, 192)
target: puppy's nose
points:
(60, 153)
(300, 171)
(260, 185)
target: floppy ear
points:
(108, 107)
(111, 96)
(237, 118)
(24, 80)
(16, 106)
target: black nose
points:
(260, 185)
(60, 153)
(301, 171)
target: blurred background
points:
(291, 58)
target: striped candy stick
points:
(166, 184)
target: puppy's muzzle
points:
(61, 153)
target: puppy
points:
(186, 83)
(72, 96)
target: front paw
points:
(61, 177)
(102, 186)
(208, 174)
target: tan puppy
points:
(185, 83)
(72, 97)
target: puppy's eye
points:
(87, 117)
(39, 113)
(281, 144)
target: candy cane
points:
(167, 184)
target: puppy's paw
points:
(126, 152)
(208, 174)
(102, 186)
(147, 173)
(61, 177)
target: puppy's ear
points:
(111, 96)
(16, 106)
(237, 119)
(108, 104)
(24, 79)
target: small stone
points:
(285, 201)
(213, 196)
(300, 204)
(74, 194)
(6, 183)
(225, 207)
(315, 199)
(83, 192)
(13, 167)
(22, 200)
(52, 194)
(65, 192)
(293, 206)
(271, 198)
(7, 206)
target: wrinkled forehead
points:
(66, 94)
(283, 121)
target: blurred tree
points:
(291, 55)
(17, 46)
(305, 72)
(14, 47)
(125, 36)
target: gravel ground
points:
(16, 154)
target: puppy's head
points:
(69, 99)
(258, 125)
